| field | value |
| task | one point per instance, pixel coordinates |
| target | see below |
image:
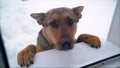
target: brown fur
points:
(93, 41)
(50, 37)
(24, 55)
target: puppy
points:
(59, 28)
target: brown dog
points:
(59, 28)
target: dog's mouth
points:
(65, 45)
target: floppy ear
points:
(39, 17)
(78, 10)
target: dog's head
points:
(60, 25)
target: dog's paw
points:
(26, 56)
(93, 41)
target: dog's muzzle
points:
(66, 44)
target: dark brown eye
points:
(70, 21)
(54, 24)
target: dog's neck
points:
(43, 42)
(44, 36)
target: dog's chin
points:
(63, 49)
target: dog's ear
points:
(39, 17)
(78, 10)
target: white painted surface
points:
(81, 55)
(114, 31)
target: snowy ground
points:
(19, 29)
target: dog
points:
(59, 28)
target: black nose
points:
(66, 44)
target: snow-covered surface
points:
(82, 54)
(19, 29)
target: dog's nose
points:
(66, 44)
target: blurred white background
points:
(19, 29)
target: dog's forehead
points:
(59, 11)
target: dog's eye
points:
(70, 21)
(53, 24)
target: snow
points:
(19, 29)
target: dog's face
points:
(60, 25)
